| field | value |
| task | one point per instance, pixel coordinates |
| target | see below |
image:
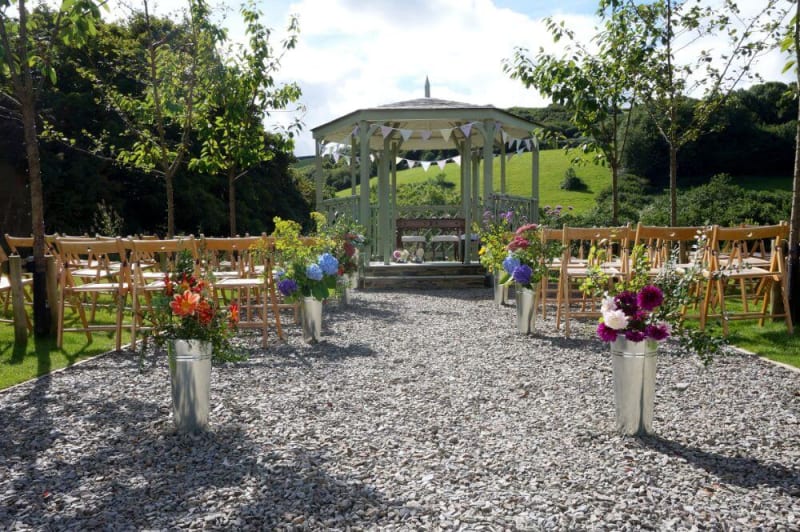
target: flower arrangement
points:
(495, 233)
(528, 256)
(400, 255)
(306, 268)
(184, 310)
(348, 241)
(632, 315)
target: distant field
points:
(552, 165)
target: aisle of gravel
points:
(418, 411)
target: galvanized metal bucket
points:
(634, 368)
(346, 283)
(311, 317)
(527, 300)
(500, 291)
(190, 375)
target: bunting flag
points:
(441, 164)
(355, 131)
(410, 163)
(425, 165)
(528, 144)
(398, 160)
(457, 160)
(445, 133)
(466, 129)
(509, 155)
(406, 133)
(426, 134)
(504, 135)
(386, 131)
(336, 157)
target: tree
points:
(595, 86)
(173, 75)
(667, 27)
(791, 44)
(27, 57)
(243, 93)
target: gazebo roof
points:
(424, 123)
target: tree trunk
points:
(614, 194)
(794, 221)
(673, 186)
(232, 199)
(170, 205)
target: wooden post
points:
(52, 293)
(18, 300)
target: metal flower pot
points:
(634, 368)
(311, 317)
(500, 291)
(190, 375)
(346, 283)
(527, 300)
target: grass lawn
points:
(552, 165)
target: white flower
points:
(608, 304)
(616, 319)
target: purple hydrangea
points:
(328, 264)
(606, 333)
(287, 287)
(650, 297)
(522, 274)
(314, 272)
(657, 332)
(510, 263)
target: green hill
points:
(552, 165)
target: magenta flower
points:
(634, 335)
(606, 333)
(650, 297)
(627, 302)
(657, 332)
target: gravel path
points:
(418, 411)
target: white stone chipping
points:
(418, 411)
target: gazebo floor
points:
(428, 275)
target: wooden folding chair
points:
(752, 280)
(82, 257)
(151, 261)
(6, 290)
(250, 286)
(599, 252)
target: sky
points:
(355, 54)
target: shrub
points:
(572, 181)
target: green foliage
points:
(107, 221)
(572, 181)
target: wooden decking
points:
(428, 275)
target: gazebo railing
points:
(335, 207)
(526, 209)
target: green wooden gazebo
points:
(479, 133)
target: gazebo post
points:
(363, 168)
(489, 128)
(502, 166)
(353, 167)
(466, 195)
(318, 174)
(383, 202)
(534, 216)
(395, 148)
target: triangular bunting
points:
(354, 133)
(406, 133)
(336, 157)
(398, 160)
(509, 155)
(441, 163)
(529, 144)
(504, 135)
(386, 131)
(410, 163)
(456, 159)
(466, 129)
(425, 165)
(372, 157)
(426, 134)
(446, 133)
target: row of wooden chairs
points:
(746, 263)
(130, 271)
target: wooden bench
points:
(456, 226)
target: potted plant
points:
(495, 233)
(526, 263)
(195, 329)
(642, 313)
(307, 272)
